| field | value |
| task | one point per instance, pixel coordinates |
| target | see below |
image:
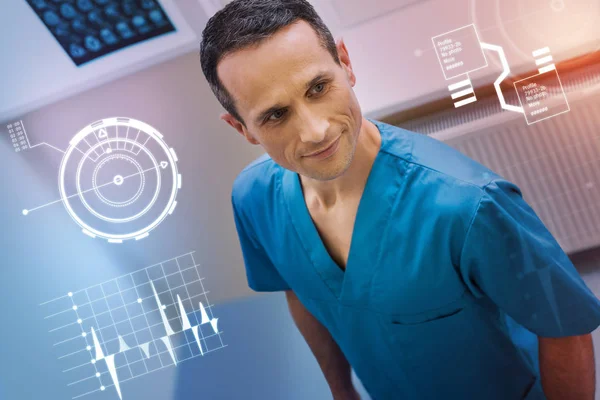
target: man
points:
(400, 257)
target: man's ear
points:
(345, 59)
(237, 125)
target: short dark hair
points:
(245, 23)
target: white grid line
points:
(139, 330)
(205, 296)
(190, 297)
(85, 337)
(147, 323)
(157, 324)
(115, 294)
(118, 277)
(175, 304)
(154, 370)
(148, 328)
(158, 354)
(115, 325)
(123, 320)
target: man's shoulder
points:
(429, 155)
(435, 170)
(257, 178)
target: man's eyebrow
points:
(316, 79)
(320, 76)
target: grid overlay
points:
(132, 325)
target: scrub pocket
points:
(423, 337)
(434, 316)
(459, 350)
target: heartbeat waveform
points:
(186, 325)
(140, 347)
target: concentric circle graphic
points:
(118, 179)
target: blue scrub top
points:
(450, 275)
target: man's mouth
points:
(324, 150)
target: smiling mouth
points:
(323, 150)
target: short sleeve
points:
(509, 256)
(261, 273)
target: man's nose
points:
(313, 129)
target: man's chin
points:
(329, 174)
(328, 171)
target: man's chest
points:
(335, 228)
(394, 263)
(390, 251)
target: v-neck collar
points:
(364, 245)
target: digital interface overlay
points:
(118, 179)
(127, 327)
(460, 52)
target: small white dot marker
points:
(164, 307)
(25, 212)
(418, 53)
(93, 361)
(74, 307)
(70, 294)
(79, 321)
(118, 180)
(89, 347)
(84, 334)
(139, 300)
(102, 388)
(97, 374)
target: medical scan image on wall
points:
(89, 29)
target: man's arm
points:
(332, 361)
(567, 367)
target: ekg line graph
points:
(132, 325)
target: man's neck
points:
(327, 194)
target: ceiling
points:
(389, 42)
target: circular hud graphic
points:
(118, 179)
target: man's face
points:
(295, 101)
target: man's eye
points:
(322, 84)
(276, 113)
(279, 113)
